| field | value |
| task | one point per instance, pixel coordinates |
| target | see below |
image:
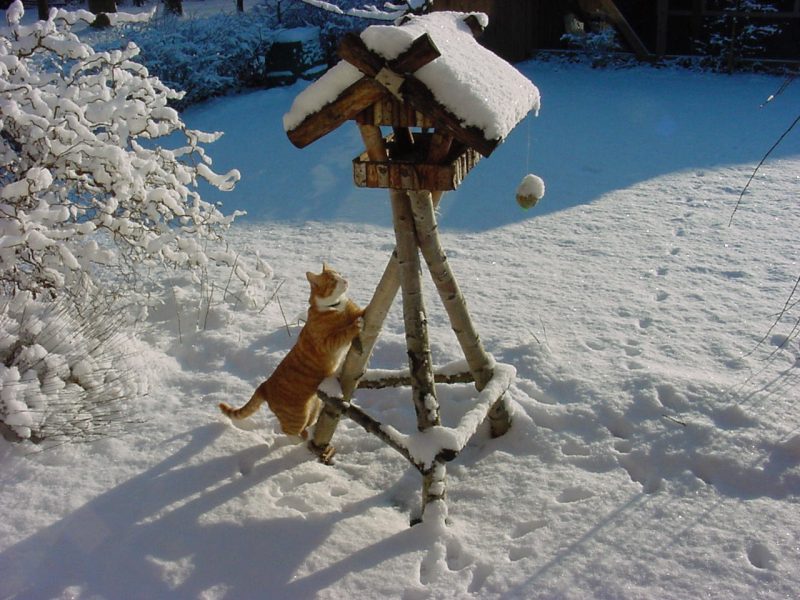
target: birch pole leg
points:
(355, 362)
(414, 317)
(478, 360)
(423, 391)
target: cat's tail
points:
(256, 400)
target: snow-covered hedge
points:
(99, 175)
(64, 375)
(219, 54)
(204, 57)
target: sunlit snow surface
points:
(655, 451)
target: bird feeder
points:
(429, 102)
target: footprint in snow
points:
(761, 556)
(574, 494)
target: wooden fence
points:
(518, 28)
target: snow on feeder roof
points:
(432, 64)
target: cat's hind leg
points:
(314, 407)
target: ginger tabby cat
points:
(291, 391)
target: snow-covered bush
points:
(64, 375)
(735, 34)
(206, 57)
(598, 46)
(90, 191)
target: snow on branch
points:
(390, 12)
(90, 183)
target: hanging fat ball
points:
(530, 191)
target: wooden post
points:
(355, 361)
(663, 27)
(454, 303)
(420, 365)
(621, 23)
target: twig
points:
(674, 420)
(208, 305)
(285, 323)
(227, 285)
(787, 305)
(758, 166)
(271, 298)
(178, 315)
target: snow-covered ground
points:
(655, 450)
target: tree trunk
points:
(102, 6)
(43, 9)
(240, 5)
(174, 7)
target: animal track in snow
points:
(526, 527)
(448, 556)
(671, 398)
(516, 553)
(645, 322)
(574, 494)
(761, 556)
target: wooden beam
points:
(422, 98)
(348, 105)
(662, 27)
(421, 51)
(621, 23)
(353, 50)
(420, 364)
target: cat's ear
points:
(325, 267)
(312, 278)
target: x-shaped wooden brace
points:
(381, 77)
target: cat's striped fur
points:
(333, 322)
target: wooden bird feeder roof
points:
(428, 72)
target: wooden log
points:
(348, 105)
(423, 391)
(368, 423)
(355, 361)
(421, 51)
(353, 49)
(455, 305)
(449, 291)
(416, 93)
(475, 26)
(373, 142)
(621, 23)
(434, 485)
(405, 380)
(440, 147)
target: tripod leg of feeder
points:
(420, 364)
(433, 486)
(478, 360)
(355, 362)
(415, 320)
